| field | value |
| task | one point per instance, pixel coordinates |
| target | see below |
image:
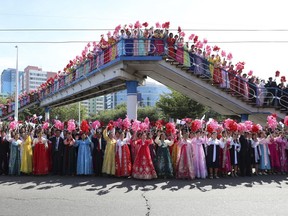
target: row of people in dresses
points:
(145, 155)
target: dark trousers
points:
(57, 163)
(98, 157)
(4, 164)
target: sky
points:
(263, 58)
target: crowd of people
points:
(194, 55)
(187, 149)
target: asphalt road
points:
(81, 196)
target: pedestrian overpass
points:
(127, 70)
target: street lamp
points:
(17, 83)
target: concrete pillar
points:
(47, 113)
(132, 99)
(244, 117)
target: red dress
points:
(143, 167)
(225, 159)
(40, 162)
(123, 159)
(171, 50)
(217, 75)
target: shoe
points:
(217, 177)
(211, 176)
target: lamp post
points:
(16, 91)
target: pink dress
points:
(179, 53)
(199, 158)
(185, 165)
(282, 143)
(274, 154)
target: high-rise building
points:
(34, 77)
(110, 102)
(8, 81)
(96, 105)
(148, 94)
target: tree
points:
(67, 112)
(178, 106)
(28, 113)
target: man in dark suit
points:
(245, 155)
(57, 153)
(271, 87)
(4, 154)
(99, 144)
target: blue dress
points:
(141, 45)
(129, 46)
(121, 46)
(264, 157)
(84, 158)
(14, 160)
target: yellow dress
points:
(109, 155)
(26, 161)
(211, 65)
(175, 155)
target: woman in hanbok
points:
(104, 46)
(141, 45)
(213, 153)
(135, 42)
(175, 152)
(234, 154)
(40, 160)
(255, 160)
(159, 42)
(84, 157)
(232, 78)
(128, 44)
(199, 156)
(143, 167)
(225, 160)
(217, 75)
(112, 47)
(109, 155)
(244, 86)
(121, 43)
(27, 154)
(211, 60)
(69, 156)
(185, 167)
(163, 159)
(186, 56)
(264, 154)
(171, 43)
(179, 52)
(225, 81)
(199, 68)
(282, 142)
(123, 157)
(15, 157)
(274, 153)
